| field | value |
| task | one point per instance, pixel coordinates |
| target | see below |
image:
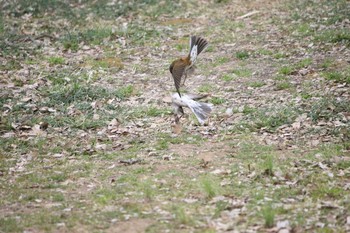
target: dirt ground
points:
(88, 138)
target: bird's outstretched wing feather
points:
(177, 73)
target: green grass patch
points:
(267, 118)
(279, 55)
(141, 112)
(285, 70)
(341, 77)
(290, 69)
(242, 55)
(227, 77)
(326, 108)
(268, 214)
(181, 217)
(164, 139)
(334, 36)
(105, 196)
(56, 60)
(257, 84)
(263, 51)
(94, 36)
(268, 165)
(327, 63)
(283, 85)
(209, 186)
(242, 72)
(205, 88)
(78, 93)
(217, 100)
(322, 191)
(10, 224)
(221, 61)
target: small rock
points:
(283, 224)
(152, 153)
(229, 112)
(60, 224)
(57, 155)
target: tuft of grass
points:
(285, 70)
(58, 197)
(304, 30)
(209, 49)
(205, 88)
(217, 100)
(56, 60)
(268, 213)
(341, 77)
(162, 145)
(58, 177)
(248, 110)
(257, 84)
(290, 69)
(180, 47)
(303, 63)
(181, 217)
(148, 190)
(219, 207)
(263, 51)
(283, 85)
(209, 186)
(242, 55)
(227, 77)
(141, 112)
(242, 72)
(221, 60)
(105, 196)
(305, 95)
(268, 165)
(326, 63)
(279, 55)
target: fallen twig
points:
(248, 14)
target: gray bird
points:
(200, 110)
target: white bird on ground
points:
(200, 110)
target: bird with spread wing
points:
(182, 67)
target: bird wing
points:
(197, 96)
(177, 73)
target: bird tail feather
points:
(197, 45)
(201, 110)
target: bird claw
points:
(177, 118)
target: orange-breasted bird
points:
(185, 65)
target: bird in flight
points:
(184, 66)
(200, 110)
